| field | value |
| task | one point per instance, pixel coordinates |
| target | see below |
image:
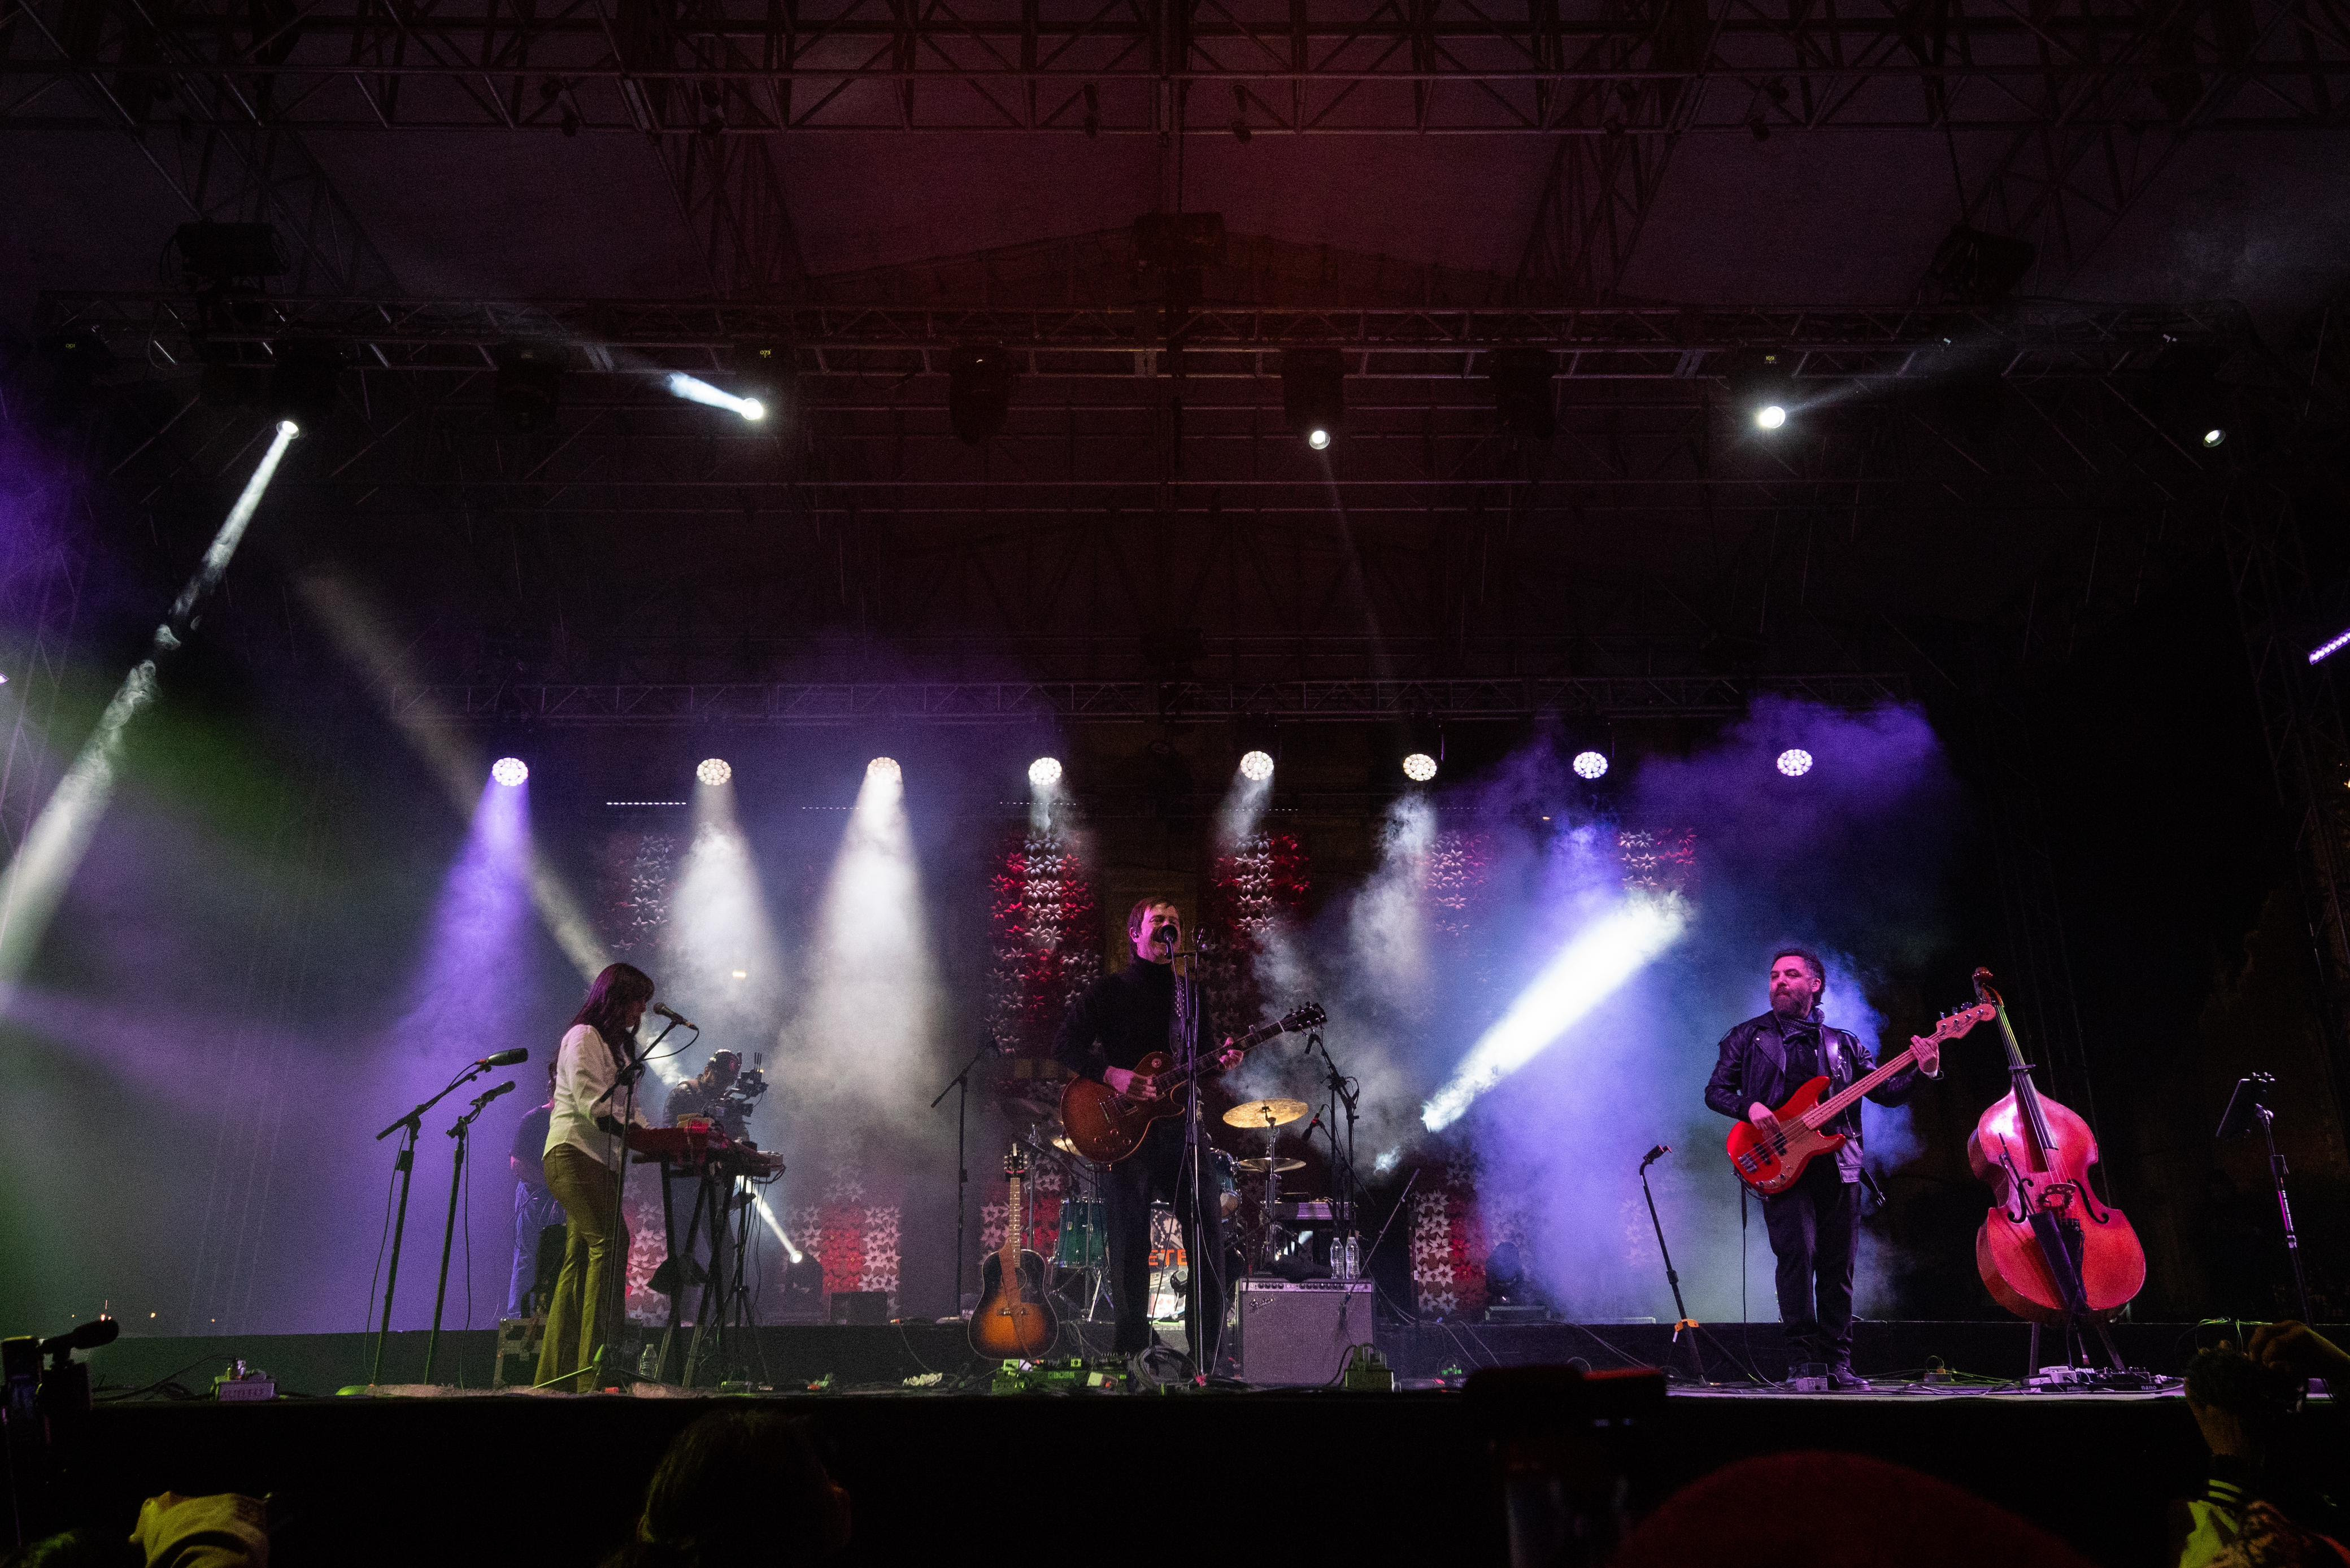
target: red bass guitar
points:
(1772, 1162)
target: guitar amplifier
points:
(1299, 1334)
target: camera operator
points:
(723, 1093)
(2257, 1507)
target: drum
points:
(1228, 1186)
(1168, 1279)
(1084, 1239)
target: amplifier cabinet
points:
(1299, 1334)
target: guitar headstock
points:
(1016, 1164)
(1309, 1016)
(1953, 1024)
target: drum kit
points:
(1264, 1231)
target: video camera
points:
(44, 1406)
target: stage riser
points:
(857, 1357)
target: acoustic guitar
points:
(1106, 1127)
(1013, 1322)
(1772, 1162)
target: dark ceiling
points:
(1655, 193)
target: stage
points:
(395, 1475)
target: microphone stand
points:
(960, 1086)
(412, 1123)
(1195, 1308)
(448, 1233)
(1342, 1167)
(613, 1315)
(2247, 1105)
(1681, 1319)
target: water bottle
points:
(1354, 1256)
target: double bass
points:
(2048, 1251)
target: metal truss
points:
(2030, 341)
(988, 703)
(2309, 747)
(213, 132)
(736, 67)
(2065, 181)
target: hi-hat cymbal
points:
(1265, 1113)
(1258, 1165)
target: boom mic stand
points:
(960, 1086)
(1346, 1185)
(409, 1125)
(1681, 1319)
(2247, 1105)
(448, 1233)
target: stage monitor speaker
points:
(1298, 1334)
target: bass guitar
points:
(2048, 1251)
(1772, 1162)
(1014, 1321)
(1107, 1126)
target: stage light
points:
(2214, 436)
(1794, 762)
(979, 391)
(2330, 647)
(510, 771)
(1044, 773)
(714, 770)
(1420, 767)
(1597, 960)
(289, 429)
(1256, 766)
(1770, 416)
(885, 768)
(694, 389)
(1521, 377)
(1313, 394)
(1590, 764)
(529, 386)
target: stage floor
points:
(517, 1477)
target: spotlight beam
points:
(695, 390)
(1600, 958)
(35, 882)
(2329, 648)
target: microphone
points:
(513, 1058)
(505, 1087)
(674, 1016)
(90, 1336)
(1654, 1155)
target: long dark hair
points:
(609, 997)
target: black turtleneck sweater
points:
(1121, 1018)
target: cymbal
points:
(1265, 1113)
(1258, 1165)
(1061, 1141)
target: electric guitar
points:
(1772, 1162)
(1014, 1321)
(1107, 1126)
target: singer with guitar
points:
(1814, 1224)
(1116, 1023)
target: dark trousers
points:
(1156, 1170)
(1815, 1231)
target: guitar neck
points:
(1835, 1104)
(1248, 1042)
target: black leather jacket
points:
(1752, 1069)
